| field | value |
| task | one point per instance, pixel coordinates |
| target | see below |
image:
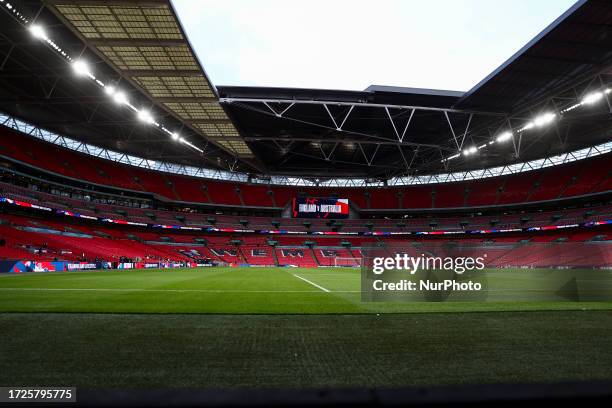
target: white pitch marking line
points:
(312, 283)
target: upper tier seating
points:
(573, 179)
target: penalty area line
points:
(312, 283)
(155, 290)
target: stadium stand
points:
(36, 239)
(563, 181)
(522, 218)
(135, 195)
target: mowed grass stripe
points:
(204, 290)
(172, 290)
(127, 351)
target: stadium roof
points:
(145, 42)
(381, 132)
(576, 45)
(138, 47)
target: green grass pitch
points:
(280, 327)
(222, 290)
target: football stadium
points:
(188, 243)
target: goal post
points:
(347, 262)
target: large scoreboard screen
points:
(320, 208)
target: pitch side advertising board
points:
(332, 208)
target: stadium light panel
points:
(504, 137)
(81, 68)
(120, 98)
(145, 116)
(572, 107)
(592, 98)
(38, 32)
(470, 150)
(544, 119)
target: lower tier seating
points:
(44, 240)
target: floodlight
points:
(544, 119)
(120, 98)
(145, 116)
(175, 136)
(110, 90)
(607, 91)
(470, 150)
(81, 68)
(504, 137)
(572, 107)
(38, 32)
(592, 98)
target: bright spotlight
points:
(175, 136)
(544, 119)
(470, 150)
(38, 32)
(528, 126)
(120, 98)
(110, 90)
(81, 68)
(504, 137)
(592, 98)
(145, 116)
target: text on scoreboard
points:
(320, 208)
